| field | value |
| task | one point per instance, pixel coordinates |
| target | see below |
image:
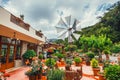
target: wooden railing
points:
(19, 22)
(39, 34)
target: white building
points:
(16, 37)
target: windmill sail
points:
(62, 23)
(75, 24)
(76, 36)
(66, 27)
(63, 35)
(68, 20)
(59, 29)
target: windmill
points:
(66, 27)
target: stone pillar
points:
(24, 47)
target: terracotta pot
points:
(100, 64)
(39, 76)
(78, 64)
(107, 56)
(33, 77)
(95, 71)
(88, 63)
(101, 76)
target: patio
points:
(19, 74)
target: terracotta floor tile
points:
(19, 74)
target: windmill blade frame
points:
(61, 22)
(62, 34)
(59, 29)
(68, 25)
(68, 20)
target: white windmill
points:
(66, 27)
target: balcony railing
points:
(19, 22)
(39, 34)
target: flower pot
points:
(101, 76)
(39, 76)
(88, 63)
(33, 77)
(95, 71)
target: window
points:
(3, 54)
(5, 40)
(11, 55)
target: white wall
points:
(5, 20)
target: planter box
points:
(18, 63)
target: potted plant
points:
(77, 60)
(112, 72)
(55, 74)
(68, 61)
(28, 55)
(35, 72)
(95, 67)
(50, 62)
(60, 56)
(107, 52)
(40, 56)
(89, 56)
(101, 76)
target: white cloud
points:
(0, 2)
(44, 14)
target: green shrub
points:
(59, 55)
(90, 55)
(71, 48)
(55, 74)
(77, 59)
(112, 72)
(68, 61)
(40, 56)
(94, 63)
(29, 54)
(116, 48)
(107, 52)
(50, 62)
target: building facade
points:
(16, 37)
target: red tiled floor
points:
(20, 74)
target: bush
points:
(68, 61)
(90, 55)
(94, 63)
(107, 52)
(112, 72)
(59, 55)
(116, 48)
(71, 48)
(40, 56)
(29, 54)
(55, 74)
(77, 59)
(50, 62)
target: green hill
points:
(109, 24)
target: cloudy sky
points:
(45, 14)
